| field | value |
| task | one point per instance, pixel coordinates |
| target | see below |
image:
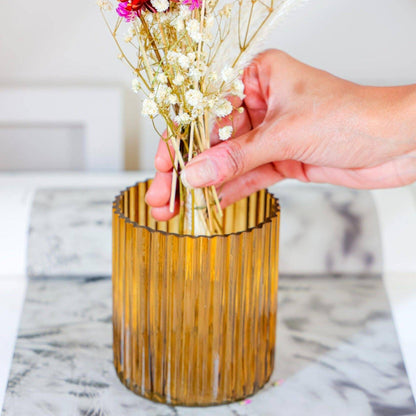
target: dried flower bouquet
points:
(187, 57)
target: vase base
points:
(157, 398)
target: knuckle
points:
(234, 157)
(279, 136)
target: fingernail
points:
(200, 173)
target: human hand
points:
(303, 123)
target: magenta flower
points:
(122, 11)
(193, 4)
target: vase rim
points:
(275, 211)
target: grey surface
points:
(323, 229)
(337, 353)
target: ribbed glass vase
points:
(194, 318)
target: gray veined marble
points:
(337, 354)
(323, 229)
(70, 232)
(327, 229)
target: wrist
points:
(407, 112)
(395, 116)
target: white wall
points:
(57, 43)
(363, 40)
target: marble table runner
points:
(337, 354)
(324, 229)
(337, 348)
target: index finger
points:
(164, 155)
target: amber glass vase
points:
(194, 318)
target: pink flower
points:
(122, 11)
(193, 4)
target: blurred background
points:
(65, 98)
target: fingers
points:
(158, 195)
(163, 160)
(163, 213)
(248, 183)
(399, 172)
(233, 157)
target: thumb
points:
(231, 158)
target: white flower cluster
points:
(104, 5)
(227, 74)
(186, 67)
(183, 84)
(226, 10)
(194, 98)
(194, 30)
(196, 104)
(183, 119)
(160, 5)
(149, 108)
(178, 17)
(160, 99)
(222, 107)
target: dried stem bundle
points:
(187, 57)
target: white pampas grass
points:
(250, 23)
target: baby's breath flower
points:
(164, 17)
(194, 98)
(162, 93)
(212, 76)
(104, 5)
(162, 78)
(135, 85)
(172, 99)
(128, 38)
(226, 10)
(172, 56)
(184, 11)
(192, 27)
(191, 56)
(195, 73)
(160, 5)
(149, 108)
(178, 24)
(240, 110)
(178, 80)
(211, 102)
(223, 108)
(183, 61)
(225, 132)
(227, 74)
(197, 112)
(148, 17)
(182, 118)
(237, 88)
